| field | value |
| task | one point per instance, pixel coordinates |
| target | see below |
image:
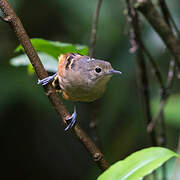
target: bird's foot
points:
(73, 120)
(47, 80)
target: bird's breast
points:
(79, 90)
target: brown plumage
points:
(82, 78)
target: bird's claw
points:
(47, 80)
(73, 120)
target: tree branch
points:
(94, 28)
(158, 119)
(147, 8)
(166, 90)
(94, 106)
(165, 11)
(167, 16)
(135, 39)
(23, 38)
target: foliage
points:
(138, 164)
(49, 62)
(48, 52)
(55, 48)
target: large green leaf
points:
(138, 164)
(49, 62)
(55, 48)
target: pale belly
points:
(81, 94)
(84, 91)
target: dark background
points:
(34, 145)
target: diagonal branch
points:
(23, 38)
(147, 8)
(167, 15)
(165, 11)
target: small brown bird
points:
(80, 78)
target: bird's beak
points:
(114, 72)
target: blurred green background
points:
(33, 142)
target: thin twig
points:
(135, 40)
(165, 97)
(171, 74)
(154, 66)
(147, 8)
(94, 106)
(175, 26)
(94, 28)
(22, 36)
(94, 109)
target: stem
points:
(94, 28)
(94, 106)
(23, 38)
(154, 67)
(163, 98)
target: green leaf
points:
(55, 48)
(49, 62)
(138, 164)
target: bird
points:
(80, 78)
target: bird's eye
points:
(98, 69)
